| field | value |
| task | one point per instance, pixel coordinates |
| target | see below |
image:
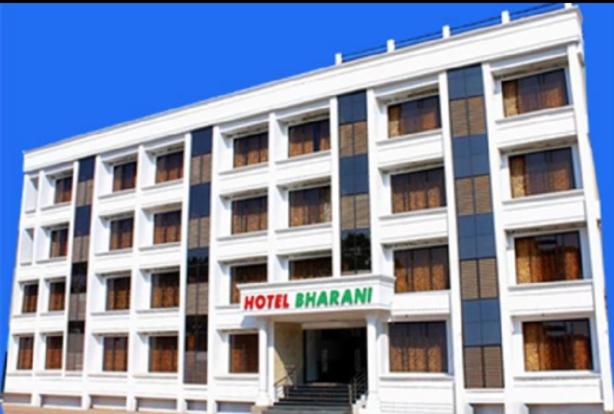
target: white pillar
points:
(373, 352)
(505, 16)
(390, 45)
(445, 31)
(338, 58)
(263, 367)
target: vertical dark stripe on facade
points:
(78, 274)
(354, 184)
(476, 239)
(197, 295)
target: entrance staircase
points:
(314, 398)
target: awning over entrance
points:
(326, 296)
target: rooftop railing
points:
(448, 31)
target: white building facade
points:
(422, 225)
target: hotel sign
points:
(308, 299)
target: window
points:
(118, 293)
(310, 206)
(57, 295)
(420, 270)
(311, 268)
(531, 93)
(53, 352)
(418, 190)
(25, 353)
(59, 242)
(195, 363)
(255, 273)
(63, 190)
(163, 353)
(414, 116)
(541, 172)
(75, 345)
(169, 167)
(30, 298)
(121, 233)
(165, 290)
(167, 227)
(418, 347)
(308, 138)
(253, 149)
(548, 258)
(249, 215)
(557, 345)
(244, 353)
(115, 351)
(124, 176)
(355, 251)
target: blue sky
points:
(70, 69)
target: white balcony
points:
(556, 386)
(117, 202)
(543, 210)
(414, 226)
(568, 297)
(169, 192)
(409, 149)
(302, 239)
(528, 129)
(243, 245)
(243, 179)
(417, 304)
(310, 167)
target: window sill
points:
(52, 260)
(544, 196)
(535, 114)
(24, 315)
(20, 373)
(110, 374)
(159, 246)
(246, 168)
(158, 310)
(122, 312)
(49, 373)
(115, 252)
(416, 376)
(163, 184)
(423, 212)
(557, 375)
(237, 376)
(52, 313)
(550, 285)
(57, 206)
(304, 227)
(304, 157)
(156, 376)
(409, 137)
(114, 194)
(245, 235)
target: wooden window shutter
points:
(469, 279)
(157, 291)
(430, 118)
(361, 145)
(158, 229)
(488, 278)
(439, 268)
(57, 296)
(118, 177)
(297, 210)
(397, 336)
(517, 176)
(348, 213)
(25, 353)
(532, 339)
(53, 357)
(572, 257)
(553, 89)
(394, 121)
(458, 117)
(161, 169)
(346, 140)
(435, 188)
(464, 196)
(401, 270)
(482, 194)
(115, 234)
(324, 134)
(493, 367)
(523, 248)
(474, 367)
(421, 270)
(510, 97)
(127, 233)
(363, 210)
(399, 191)
(325, 205)
(560, 171)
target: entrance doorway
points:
(334, 355)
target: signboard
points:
(308, 299)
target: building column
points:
(263, 367)
(373, 334)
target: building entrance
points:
(334, 355)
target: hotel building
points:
(414, 231)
